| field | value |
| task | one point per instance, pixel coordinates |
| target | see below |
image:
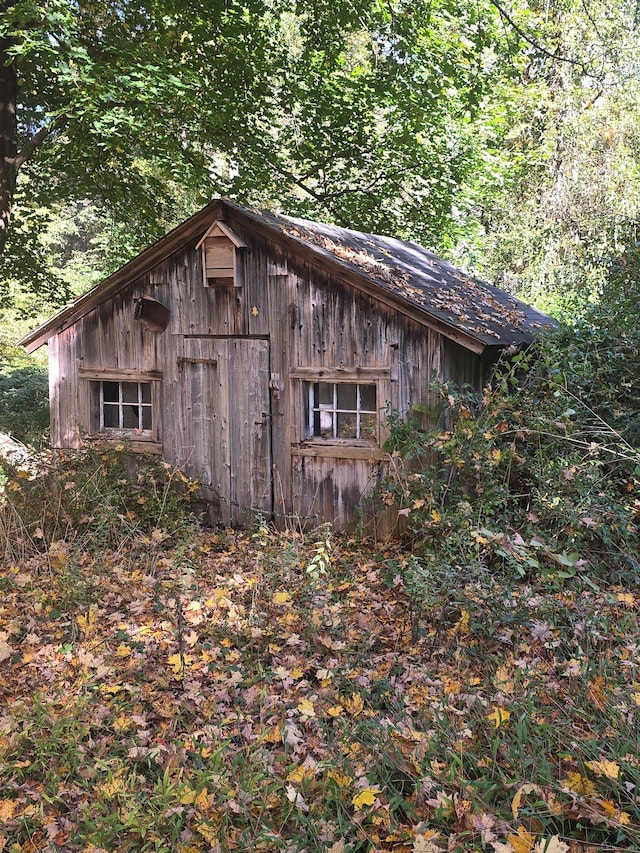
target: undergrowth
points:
(524, 482)
(472, 688)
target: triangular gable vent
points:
(219, 248)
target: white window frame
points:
(120, 405)
(315, 409)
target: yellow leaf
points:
(87, 623)
(179, 662)
(112, 688)
(604, 768)
(503, 680)
(112, 788)
(365, 797)
(335, 710)
(187, 796)
(612, 811)
(123, 651)
(522, 842)
(306, 708)
(341, 779)
(354, 705)
(281, 598)
(626, 598)
(201, 802)
(273, 735)
(300, 773)
(123, 723)
(7, 809)
(435, 516)
(578, 783)
(499, 716)
(209, 833)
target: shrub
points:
(526, 479)
(24, 404)
(95, 499)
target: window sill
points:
(135, 443)
(339, 449)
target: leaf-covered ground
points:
(241, 692)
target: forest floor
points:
(263, 691)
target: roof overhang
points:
(190, 230)
(196, 229)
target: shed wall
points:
(313, 326)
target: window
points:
(123, 407)
(341, 410)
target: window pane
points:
(347, 397)
(146, 418)
(111, 418)
(369, 427)
(347, 425)
(111, 392)
(345, 410)
(326, 424)
(130, 417)
(367, 398)
(130, 392)
(146, 392)
(324, 394)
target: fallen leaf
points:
(7, 809)
(604, 768)
(499, 716)
(281, 598)
(306, 708)
(522, 842)
(365, 797)
(425, 843)
(551, 845)
(5, 649)
(522, 791)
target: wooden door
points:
(227, 424)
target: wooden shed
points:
(259, 353)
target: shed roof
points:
(475, 313)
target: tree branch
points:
(536, 45)
(29, 148)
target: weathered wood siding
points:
(233, 361)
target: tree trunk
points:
(8, 138)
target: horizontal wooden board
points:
(219, 253)
(336, 374)
(132, 374)
(336, 450)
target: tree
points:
(355, 109)
(460, 124)
(560, 193)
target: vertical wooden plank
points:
(249, 426)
